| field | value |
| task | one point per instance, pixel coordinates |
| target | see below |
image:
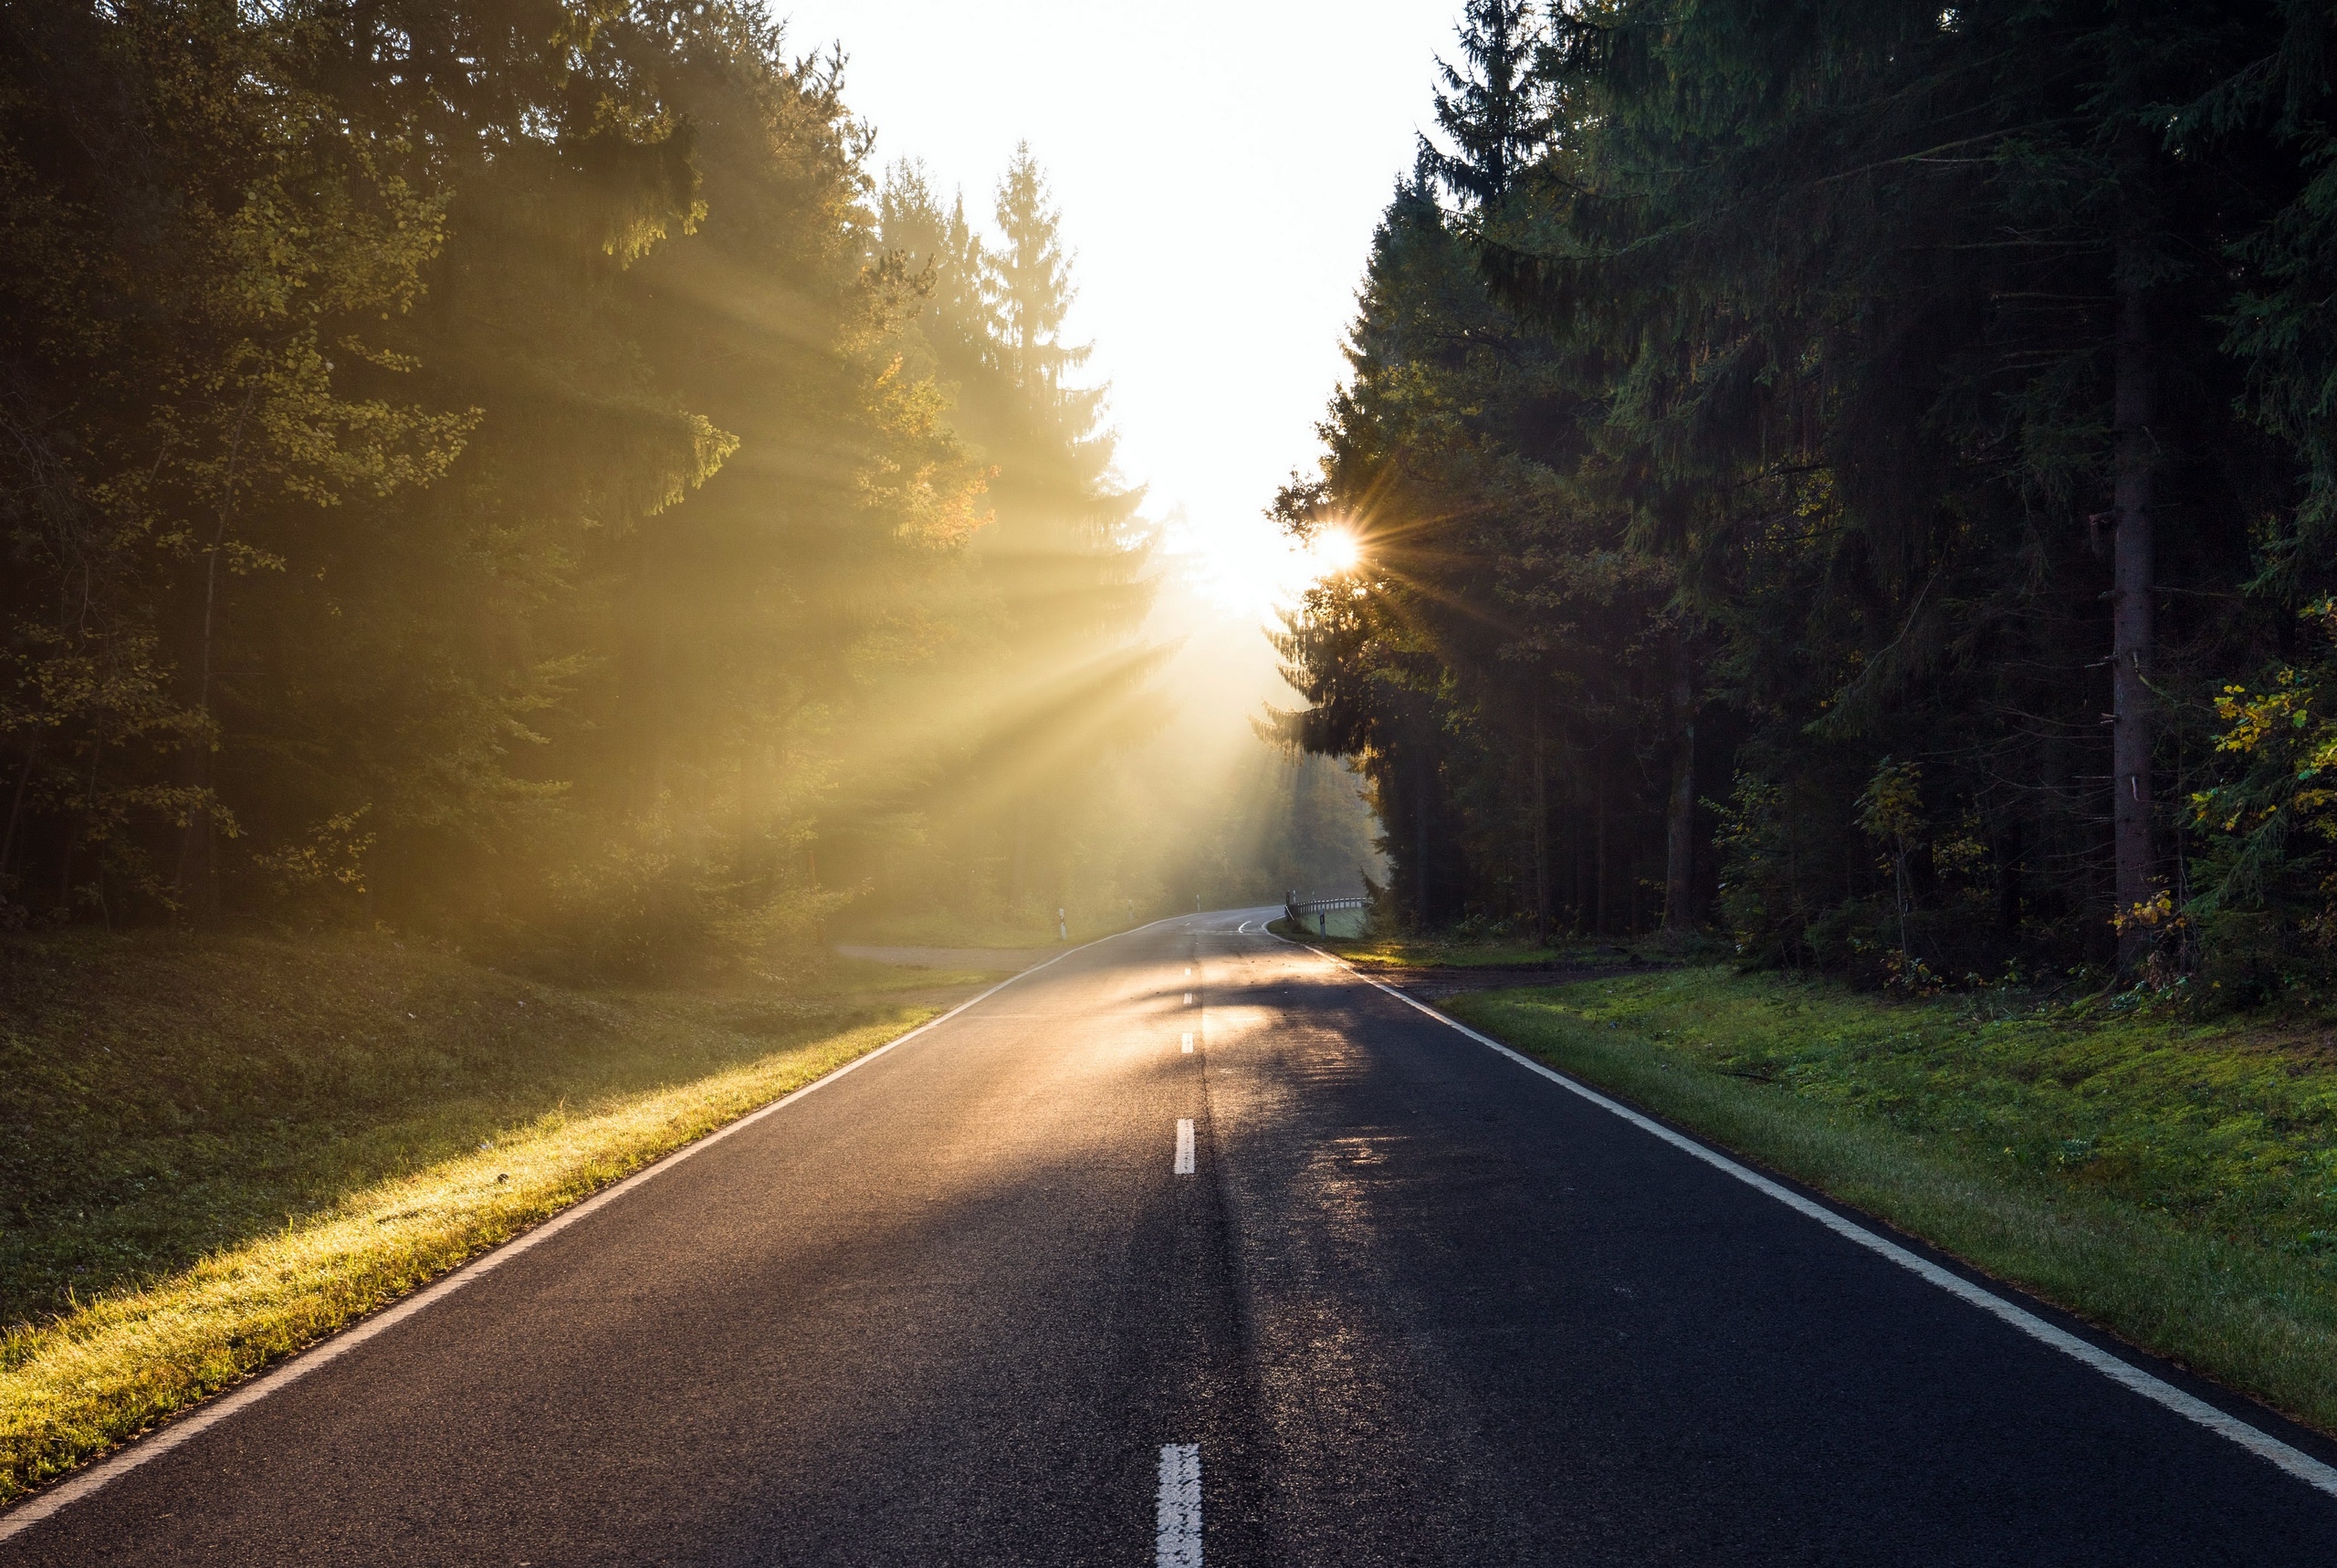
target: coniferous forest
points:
(1774, 932)
(516, 471)
(1857, 475)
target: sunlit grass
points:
(229, 1149)
(2175, 1183)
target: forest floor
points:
(2171, 1180)
(216, 1150)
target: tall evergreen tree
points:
(1494, 107)
(1034, 291)
(1879, 308)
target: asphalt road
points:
(1414, 1305)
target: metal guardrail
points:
(1298, 908)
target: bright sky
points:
(1220, 166)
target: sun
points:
(1247, 565)
(1334, 552)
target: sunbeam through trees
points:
(507, 472)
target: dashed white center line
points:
(1189, 998)
(1184, 1147)
(1177, 1538)
(1189, 1045)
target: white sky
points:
(1220, 166)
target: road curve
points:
(1414, 1304)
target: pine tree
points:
(1875, 309)
(1033, 274)
(1495, 109)
(943, 249)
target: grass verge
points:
(220, 1151)
(1370, 949)
(2174, 1183)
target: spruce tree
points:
(1032, 269)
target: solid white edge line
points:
(219, 1407)
(2297, 1463)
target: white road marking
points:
(1189, 971)
(1184, 1148)
(1176, 1536)
(2295, 1461)
(1189, 1045)
(1189, 998)
(204, 1416)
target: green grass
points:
(216, 1151)
(2173, 1182)
(1370, 949)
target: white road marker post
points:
(1184, 1165)
(1177, 1533)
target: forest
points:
(563, 592)
(1856, 475)
(517, 472)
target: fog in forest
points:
(566, 481)
(529, 477)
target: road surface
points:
(1390, 1297)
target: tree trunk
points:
(17, 811)
(1680, 825)
(1018, 866)
(1419, 832)
(198, 867)
(2129, 610)
(2010, 853)
(1598, 852)
(1541, 834)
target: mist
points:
(603, 523)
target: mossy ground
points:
(218, 1150)
(2173, 1181)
